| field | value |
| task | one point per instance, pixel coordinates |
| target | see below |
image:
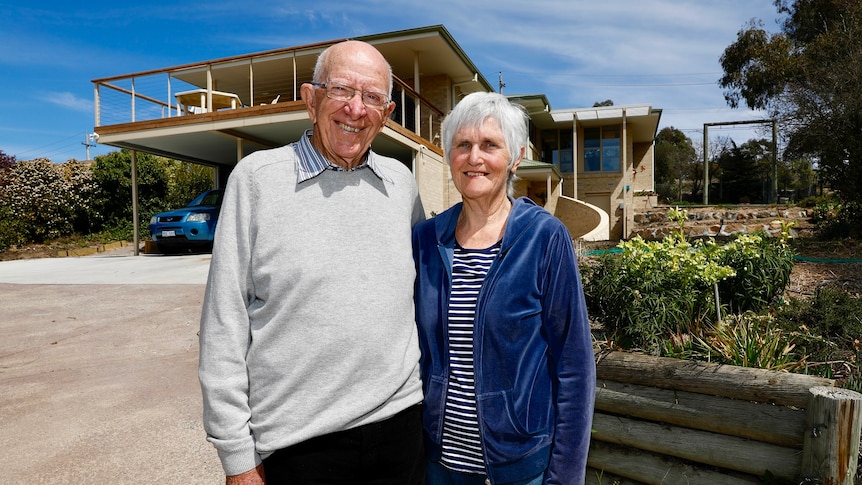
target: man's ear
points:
(388, 111)
(306, 92)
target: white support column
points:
(575, 158)
(417, 107)
(251, 82)
(628, 179)
(97, 104)
(210, 88)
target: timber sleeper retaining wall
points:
(665, 421)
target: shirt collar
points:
(312, 163)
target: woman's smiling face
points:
(479, 162)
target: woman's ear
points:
(518, 161)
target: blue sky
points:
(576, 52)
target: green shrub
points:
(830, 328)
(832, 313)
(835, 219)
(652, 290)
(751, 340)
(12, 229)
(120, 231)
(814, 201)
(762, 267)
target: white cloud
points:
(70, 101)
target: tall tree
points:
(674, 156)
(113, 174)
(745, 172)
(809, 76)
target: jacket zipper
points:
(480, 300)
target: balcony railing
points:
(236, 83)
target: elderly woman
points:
(507, 362)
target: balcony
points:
(216, 112)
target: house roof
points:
(538, 170)
(642, 119)
(436, 53)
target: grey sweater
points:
(307, 325)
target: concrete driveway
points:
(98, 371)
(112, 267)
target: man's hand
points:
(251, 477)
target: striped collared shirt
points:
(311, 163)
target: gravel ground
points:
(98, 384)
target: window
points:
(557, 149)
(602, 149)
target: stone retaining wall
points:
(91, 250)
(653, 223)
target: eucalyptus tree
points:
(674, 157)
(809, 76)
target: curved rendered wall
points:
(584, 221)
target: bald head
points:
(352, 53)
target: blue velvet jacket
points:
(534, 364)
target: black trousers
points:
(389, 452)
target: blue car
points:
(190, 229)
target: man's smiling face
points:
(344, 130)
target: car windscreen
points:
(207, 199)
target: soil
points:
(31, 251)
(826, 264)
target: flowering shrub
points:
(762, 271)
(44, 200)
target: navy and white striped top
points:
(462, 447)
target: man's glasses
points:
(340, 92)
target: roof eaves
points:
(440, 30)
(528, 165)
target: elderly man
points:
(309, 361)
